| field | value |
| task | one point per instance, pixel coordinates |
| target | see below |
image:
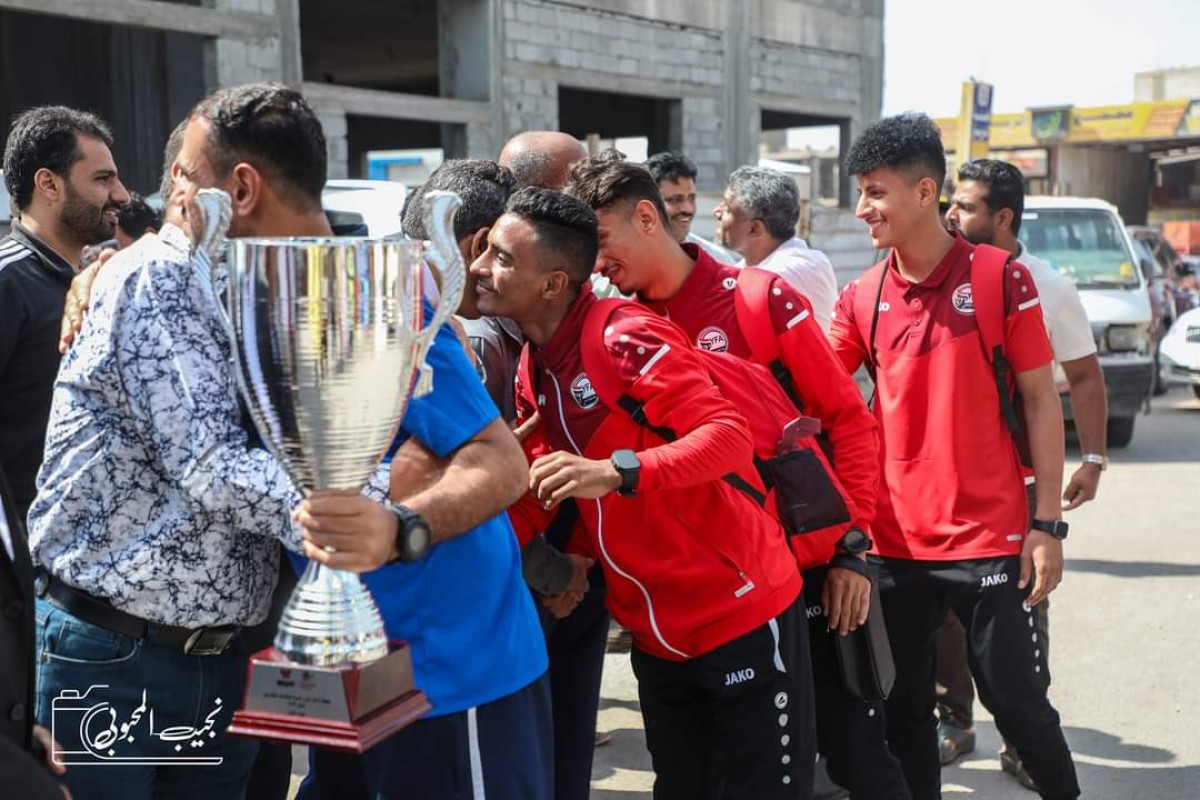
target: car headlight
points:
(1124, 338)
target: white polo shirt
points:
(809, 271)
(1066, 321)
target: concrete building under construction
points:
(704, 76)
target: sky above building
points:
(1033, 52)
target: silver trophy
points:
(329, 344)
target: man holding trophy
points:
(158, 525)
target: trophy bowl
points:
(329, 340)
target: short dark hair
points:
(608, 180)
(909, 142)
(47, 137)
(274, 129)
(564, 225)
(136, 217)
(171, 152)
(484, 187)
(768, 195)
(668, 166)
(1005, 186)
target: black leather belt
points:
(208, 641)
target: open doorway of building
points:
(612, 117)
(389, 46)
(808, 147)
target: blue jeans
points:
(139, 720)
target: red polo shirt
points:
(952, 488)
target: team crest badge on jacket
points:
(582, 391)
(713, 339)
(964, 302)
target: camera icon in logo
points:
(88, 731)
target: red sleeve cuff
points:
(650, 473)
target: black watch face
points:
(625, 460)
(856, 541)
(418, 539)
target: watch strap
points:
(406, 518)
(1057, 528)
(847, 561)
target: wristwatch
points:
(1055, 527)
(626, 463)
(854, 542)
(1097, 459)
(413, 536)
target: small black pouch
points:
(865, 656)
(805, 494)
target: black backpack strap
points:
(872, 355)
(637, 413)
(784, 378)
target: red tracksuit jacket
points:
(691, 563)
(704, 308)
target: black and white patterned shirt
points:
(149, 496)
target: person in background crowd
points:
(136, 219)
(60, 174)
(951, 529)
(541, 158)
(986, 209)
(696, 619)
(757, 219)
(675, 175)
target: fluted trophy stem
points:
(328, 341)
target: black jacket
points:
(19, 767)
(33, 285)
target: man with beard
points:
(59, 170)
(675, 175)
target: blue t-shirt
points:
(463, 608)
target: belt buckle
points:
(209, 641)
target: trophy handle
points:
(212, 214)
(445, 257)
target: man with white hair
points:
(757, 219)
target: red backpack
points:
(989, 265)
(799, 480)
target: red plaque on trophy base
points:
(343, 708)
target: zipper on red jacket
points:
(562, 418)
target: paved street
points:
(1123, 629)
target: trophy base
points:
(354, 737)
(347, 708)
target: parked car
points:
(1181, 351)
(375, 204)
(1162, 304)
(1085, 240)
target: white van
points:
(1085, 239)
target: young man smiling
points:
(951, 528)
(640, 256)
(696, 570)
